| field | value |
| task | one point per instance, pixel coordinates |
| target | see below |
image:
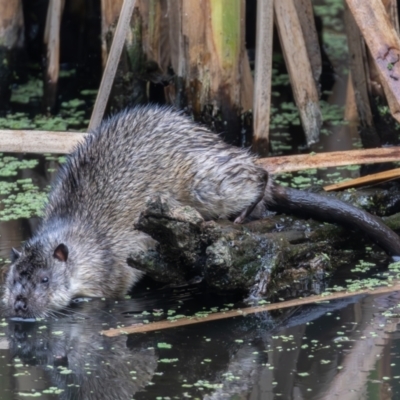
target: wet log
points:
(11, 44)
(262, 77)
(52, 44)
(384, 45)
(299, 67)
(254, 258)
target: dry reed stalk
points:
(52, 43)
(11, 42)
(262, 76)
(384, 45)
(112, 63)
(110, 11)
(333, 159)
(359, 69)
(299, 67)
(392, 9)
(365, 180)
(210, 62)
(305, 13)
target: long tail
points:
(330, 209)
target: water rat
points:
(87, 232)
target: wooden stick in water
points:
(156, 326)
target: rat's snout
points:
(21, 304)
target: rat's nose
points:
(20, 304)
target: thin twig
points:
(156, 326)
(112, 63)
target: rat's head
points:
(37, 282)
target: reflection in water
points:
(257, 357)
(82, 364)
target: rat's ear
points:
(61, 252)
(15, 254)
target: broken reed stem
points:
(365, 180)
(52, 43)
(156, 326)
(299, 67)
(25, 141)
(281, 164)
(112, 63)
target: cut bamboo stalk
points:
(24, 141)
(298, 64)
(241, 312)
(52, 43)
(305, 13)
(110, 11)
(262, 76)
(333, 159)
(358, 65)
(365, 180)
(112, 63)
(384, 45)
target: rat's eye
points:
(45, 279)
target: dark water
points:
(345, 349)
